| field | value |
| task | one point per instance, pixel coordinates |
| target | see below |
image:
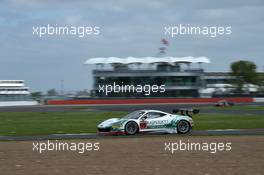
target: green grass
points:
(228, 121)
(41, 123)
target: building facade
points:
(175, 74)
(180, 77)
(14, 92)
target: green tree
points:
(261, 81)
(244, 73)
(52, 92)
(36, 95)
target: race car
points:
(142, 121)
(224, 103)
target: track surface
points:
(96, 136)
(140, 154)
(128, 107)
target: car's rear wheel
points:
(183, 127)
(131, 128)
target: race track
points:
(139, 154)
(97, 136)
(128, 108)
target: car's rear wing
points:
(188, 112)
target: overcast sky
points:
(127, 28)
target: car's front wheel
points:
(131, 128)
(183, 127)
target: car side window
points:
(152, 115)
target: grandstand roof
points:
(146, 60)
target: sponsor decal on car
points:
(158, 122)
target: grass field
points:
(42, 123)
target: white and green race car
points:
(142, 121)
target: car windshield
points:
(134, 115)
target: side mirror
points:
(144, 118)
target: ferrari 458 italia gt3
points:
(150, 121)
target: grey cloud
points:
(128, 28)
